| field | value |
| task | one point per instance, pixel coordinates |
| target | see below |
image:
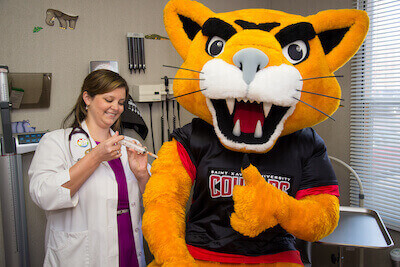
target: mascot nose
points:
(250, 61)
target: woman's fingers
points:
(113, 142)
(115, 138)
(111, 148)
(116, 154)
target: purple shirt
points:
(127, 250)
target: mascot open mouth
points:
(249, 116)
(243, 121)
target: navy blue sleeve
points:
(317, 168)
(183, 135)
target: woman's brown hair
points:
(96, 83)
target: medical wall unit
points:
(147, 92)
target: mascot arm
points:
(259, 206)
(165, 198)
(311, 218)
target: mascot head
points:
(262, 73)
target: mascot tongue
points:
(248, 114)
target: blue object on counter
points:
(22, 127)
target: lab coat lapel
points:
(86, 129)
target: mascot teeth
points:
(236, 130)
(239, 120)
(258, 131)
(230, 103)
(266, 108)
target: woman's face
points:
(105, 109)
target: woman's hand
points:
(138, 164)
(109, 149)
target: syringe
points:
(128, 142)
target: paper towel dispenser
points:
(29, 90)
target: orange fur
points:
(165, 200)
(331, 19)
(259, 206)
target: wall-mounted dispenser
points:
(33, 89)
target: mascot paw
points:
(251, 216)
(253, 203)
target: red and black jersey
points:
(298, 164)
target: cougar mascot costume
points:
(258, 80)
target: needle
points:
(136, 147)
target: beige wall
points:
(100, 34)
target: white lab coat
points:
(82, 230)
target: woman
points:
(89, 185)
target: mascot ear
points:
(183, 19)
(341, 33)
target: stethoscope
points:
(79, 143)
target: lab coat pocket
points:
(67, 249)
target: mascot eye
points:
(215, 46)
(296, 52)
